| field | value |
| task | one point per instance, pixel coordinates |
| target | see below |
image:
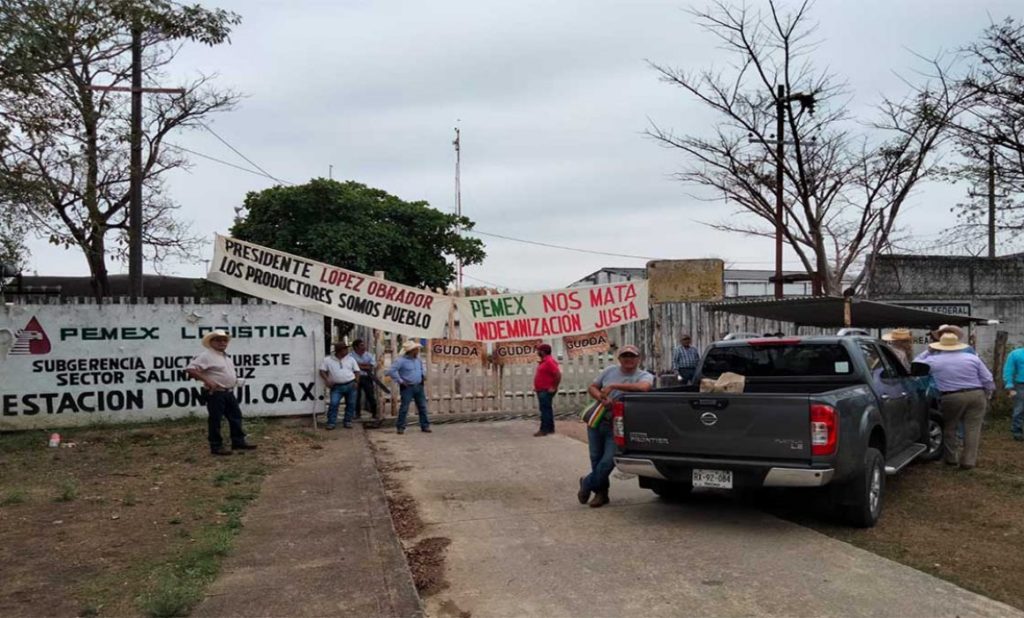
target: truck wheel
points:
(864, 499)
(932, 439)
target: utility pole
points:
(135, 189)
(135, 139)
(991, 196)
(458, 196)
(780, 142)
(782, 100)
(991, 200)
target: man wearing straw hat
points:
(339, 371)
(627, 376)
(966, 385)
(213, 367)
(901, 341)
(408, 373)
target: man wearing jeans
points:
(214, 368)
(339, 372)
(367, 366)
(545, 384)
(626, 377)
(408, 373)
(1013, 379)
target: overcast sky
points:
(552, 99)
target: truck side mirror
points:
(919, 370)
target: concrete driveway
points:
(522, 546)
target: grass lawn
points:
(131, 520)
(963, 526)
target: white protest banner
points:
(343, 294)
(79, 364)
(557, 313)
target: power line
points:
(227, 163)
(553, 246)
(238, 152)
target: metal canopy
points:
(829, 311)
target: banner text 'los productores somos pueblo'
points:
(339, 293)
(547, 315)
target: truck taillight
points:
(824, 429)
(619, 423)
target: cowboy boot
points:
(583, 494)
(600, 499)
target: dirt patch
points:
(426, 561)
(404, 514)
(427, 556)
(96, 528)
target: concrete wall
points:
(992, 288)
(74, 364)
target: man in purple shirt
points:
(966, 385)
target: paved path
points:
(522, 545)
(318, 542)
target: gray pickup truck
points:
(841, 412)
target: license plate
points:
(716, 479)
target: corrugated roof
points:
(828, 312)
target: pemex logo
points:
(31, 340)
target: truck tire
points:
(932, 438)
(864, 493)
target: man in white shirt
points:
(339, 372)
(213, 367)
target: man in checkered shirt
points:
(685, 358)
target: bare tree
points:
(64, 160)
(990, 130)
(845, 182)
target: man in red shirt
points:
(545, 383)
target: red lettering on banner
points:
(621, 293)
(341, 279)
(615, 315)
(525, 328)
(561, 301)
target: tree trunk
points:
(95, 255)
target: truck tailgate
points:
(741, 425)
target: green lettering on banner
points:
(475, 306)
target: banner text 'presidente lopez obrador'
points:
(361, 299)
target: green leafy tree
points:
(363, 229)
(64, 145)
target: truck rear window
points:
(806, 359)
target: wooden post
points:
(378, 354)
(999, 358)
(655, 329)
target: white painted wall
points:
(66, 365)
